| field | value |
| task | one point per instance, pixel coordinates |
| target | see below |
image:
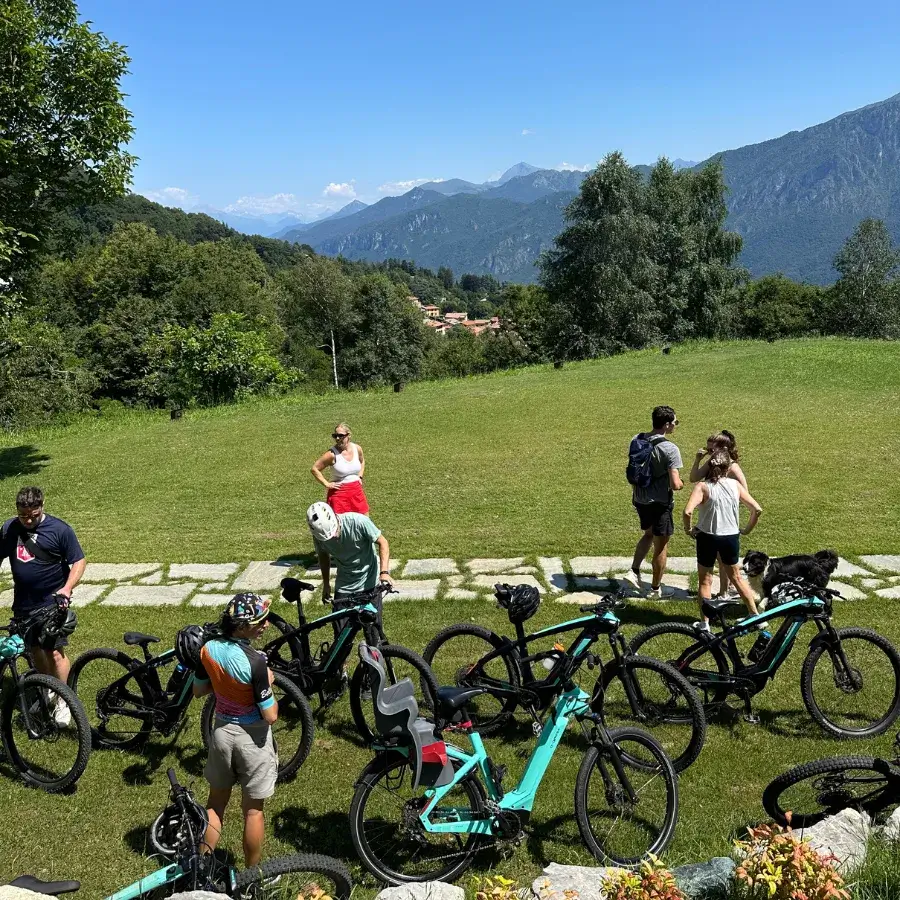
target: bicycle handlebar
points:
(173, 780)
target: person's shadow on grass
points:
(153, 754)
(310, 833)
(26, 459)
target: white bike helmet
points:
(322, 521)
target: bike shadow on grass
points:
(306, 831)
(153, 757)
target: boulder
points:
(424, 890)
(890, 831)
(557, 880)
(707, 880)
(845, 836)
(14, 893)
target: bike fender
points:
(384, 760)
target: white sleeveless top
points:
(346, 470)
(720, 513)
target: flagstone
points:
(203, 571)
(891, 593)
(872, 583)
(149, 595)
(213, 587)
(679, 583)
(420, 589)
(593, 583)
(847, 569)
(490, 580)
(882, 563)
(577, 597)
(489, 566)
(88, 593)
(219, 600)
(848, 592)
(599, 565)
(117, 571)
(523, 570)
(456, 593)
(416, 568)
(262, 575)
(6, 598)
(155, 578)
(554, 574)
(455, 580)
(685, 565)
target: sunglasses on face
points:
(339, 437)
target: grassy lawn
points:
(529, 463)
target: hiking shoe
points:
(660, 593)
(634, 579)
(62, 715)
(702, 626)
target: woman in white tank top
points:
(718, 530)
(344, 492)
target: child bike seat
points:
(50, 888)
(397, 716)
(135, 637)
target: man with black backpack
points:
(653, 464)
(47, 562)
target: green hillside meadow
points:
(522, 464)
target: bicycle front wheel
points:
(810, 792)
(46, 733)
(853, 690)
(647, 692)
(399, 662)
(626, 798)
(298, 875)
(455, 655)
(388, 835)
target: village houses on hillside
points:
(432, 317)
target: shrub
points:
(777, 865)
(652, 882)
(496, 888)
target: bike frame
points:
(796, 613)
(11, 663)
(160, 878)
(573, 701)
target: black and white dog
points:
(765, 573)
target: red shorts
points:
(348, 497)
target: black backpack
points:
(639, 470)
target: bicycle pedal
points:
(751, 718)
(537, 728)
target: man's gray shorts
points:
(245, 755)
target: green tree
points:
(63, 122)
(445, 276)
(454, 355)
(526, 310)
(386, 339)
(865, 301)
(776, 307)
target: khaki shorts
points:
(245, 755)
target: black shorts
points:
(32, 636)
(657, 516)
(712, 546)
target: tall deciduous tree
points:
(63, 122)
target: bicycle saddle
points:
(50, 888)
(291, 588)
(720, 607)
(136, 637)
(453, 699)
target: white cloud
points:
(172, 196)
(343, 190)
(527, 131)
(568, 167)
(256, 205)
(391, 188)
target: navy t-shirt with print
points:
(34, 578)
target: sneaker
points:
(660, 593)
(702, 626)
(634, 579)
(62, 715)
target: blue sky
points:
(284, 106)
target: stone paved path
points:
(564, 580)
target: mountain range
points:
(794, 199)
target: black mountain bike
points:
(808, 793)
(850, 679)
(182, 827)
(318, 668)
(633, 688)
(127, 699)
(46, 734)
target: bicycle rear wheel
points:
(298, 875)
(815, 790)
(659, 698)
(46, 733)
(625, 814)
(861, 699)
(113, 712)
(388, 835)
(454, 655)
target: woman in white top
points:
(345, 459)
(718, 499)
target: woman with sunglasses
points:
(344, 493)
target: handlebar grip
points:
(173, 780)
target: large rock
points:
(890, 831)
(707, 880)
(423, 890)
(845, 836)
(14, 893)
(586, 881)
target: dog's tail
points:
(827, 560)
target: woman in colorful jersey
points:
(241, 750)
(345, 459)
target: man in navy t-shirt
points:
(46, 559)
